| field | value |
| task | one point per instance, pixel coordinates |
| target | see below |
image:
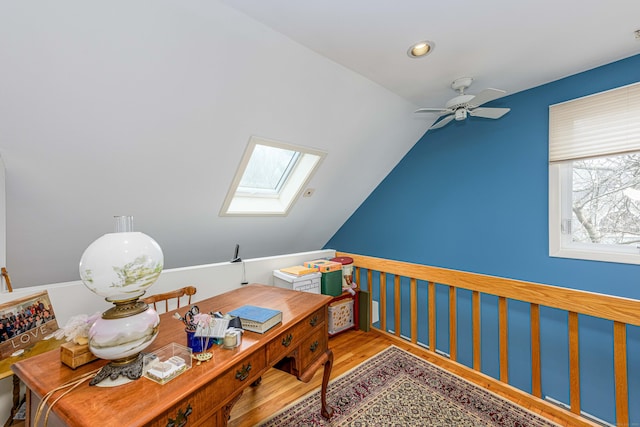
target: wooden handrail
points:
(622, 311)
(608, 307)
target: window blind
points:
(605, 123)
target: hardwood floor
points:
(277, 389)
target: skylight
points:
(270, 178)
(267, 170)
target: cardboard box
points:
(323, 265)
(299, 270)
(74, 355)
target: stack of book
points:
(257, 319)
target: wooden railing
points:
(621, 311)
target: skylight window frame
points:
(266, 202)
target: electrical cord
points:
(71, 385)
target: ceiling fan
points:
(462, 105)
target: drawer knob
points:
(314, 346)
(243, 373)
(314, 320)
(286, 341)
(181, 418)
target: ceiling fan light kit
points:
(463, 105)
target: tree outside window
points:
(606, 200)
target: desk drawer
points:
(208, 403)
(312, 347)
(317, 318)
(288, 341)
(242, 374)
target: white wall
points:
(3, 219)
(101, 99)
(72, 298)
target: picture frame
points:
(24, 322)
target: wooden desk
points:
(299, 345)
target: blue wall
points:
(473, 196)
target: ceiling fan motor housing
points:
(459, 101)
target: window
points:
(270, 177)
(594, 177)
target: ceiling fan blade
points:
(442, 122)
(489, 113)
(485, 96)
(433, 110)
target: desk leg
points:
(327, 360)
(326, 411)
(225, 411)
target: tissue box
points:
(74, 355)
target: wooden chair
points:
(7, 279)
(178, 295)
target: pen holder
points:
(198, 344)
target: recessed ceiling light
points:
(420, 49)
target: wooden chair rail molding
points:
(621, 311)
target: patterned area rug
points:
(396, 388)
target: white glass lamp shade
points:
(121, 266)
(120, 338)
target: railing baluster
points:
(504, 336)
(397, 307)
(414, 310)
(475, 309)
(453, 325)
(370, 284)
(383, 301)
(432, 316)
(574, 363)
(536, 382)
(620, 372)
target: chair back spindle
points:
(7, 279)
(165, 300)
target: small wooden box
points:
(74, 355)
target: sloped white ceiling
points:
(144, 109)
(506, 44)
